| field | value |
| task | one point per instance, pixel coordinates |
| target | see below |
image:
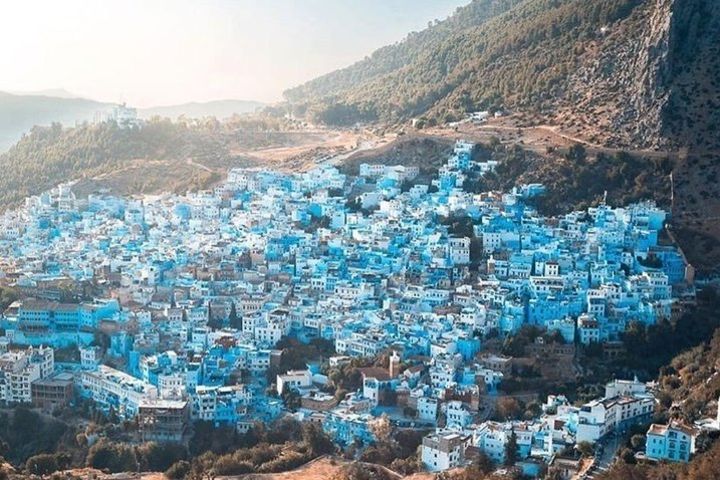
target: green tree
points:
(116, 457)
(637, 441)
(585, 449)
(511, 449)
(214, 322)
(41, 464)
(7, 296)
(577, 154)
(178, 470)
(235, 320)
(316, 439)
(157, 457)
(627, 456)
(508, 408)
(290, 398)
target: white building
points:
(625, 403)
(625, 387)
(19, 369)
(220, 404)
(459, 250)
(124, 116)
(111, 388)
(457, 415)
(172, 385)
(371, 170)
(90, 357)
(588, 329)
(492, 438)
(441, 451)
(427, 408)
(294, 380)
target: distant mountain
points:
(19, 113)
(641, 73)
(219, 109)
(50, 92)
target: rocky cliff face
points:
(618, 93)
(691, 116)
(651, 81)
(652, 75)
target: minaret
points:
(394, 367)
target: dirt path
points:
(302, 155)
(540, 138)
(193, 163)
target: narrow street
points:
(607, 456)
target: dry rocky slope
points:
(624, 73)
(651, 81)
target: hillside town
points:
(171, 309)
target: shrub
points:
(115, 457)
(42, 464)
(230, 465)
(157, 457)
(178, 470)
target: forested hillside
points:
(50, 155)
(392, 58)
(627, 72)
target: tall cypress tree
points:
(511, 450)
(235, 320)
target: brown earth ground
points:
(323, 468)
(527, 132)
(299, 151)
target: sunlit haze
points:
(164, 52)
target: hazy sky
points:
(153, 52)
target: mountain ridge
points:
(629, 73)
(19, 113)
(220, 109)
